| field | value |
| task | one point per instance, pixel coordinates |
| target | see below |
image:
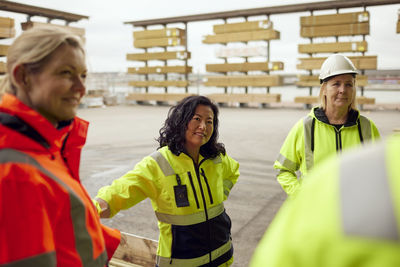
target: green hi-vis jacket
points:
(188, 202)
(313, 139)
(347, 213)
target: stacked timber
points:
(398, 22)
(324, 32)
(7, 30)
(163, 63)
(250, 71)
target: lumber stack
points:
(163, 61)
(398, 22)
(7, 30)
(326, 33)
(244, 65)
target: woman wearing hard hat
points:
(329, 128)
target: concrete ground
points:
(121, 136)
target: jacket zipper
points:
(208, 186)
(338, 139)
(194, 190)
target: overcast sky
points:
(109, 39)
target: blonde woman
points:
(46, 216)
(328, 129)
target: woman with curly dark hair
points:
(187, 179)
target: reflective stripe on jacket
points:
(313, 139)
(348, 211)
(46, 216)
(188, 202)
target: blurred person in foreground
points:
(46, 216)
(346, 214)
(333, 126)
(187, 179)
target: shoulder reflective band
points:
(308, 124)
(83, 241)
(199, 261)
(163, 163)
(190, 219)
(365, 128)
(43, 260)
(366, 204)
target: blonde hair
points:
(322, 98)
(33, 48)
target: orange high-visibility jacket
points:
(46, 216)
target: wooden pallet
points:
(335, 19)
(244, 81)
(313, 80)
(162, 97)
(159, 33)
(360, 62)
(159, 42)
(245, 98)
(33, 24)
(160, 69)
(159, 83)
(134, 251)
(242, 36)
(242, 26)
(180, 55)
(334, 47)
(335, 30)
(244, 67)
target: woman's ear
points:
(20, 77)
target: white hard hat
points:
(336, 64)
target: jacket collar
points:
(320, 115)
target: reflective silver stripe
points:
(190, 219)
(287, 163)
(307, 121)
(227, 186)
(217, 160)
(163, 163)
(43, 260)
(366, 204)
(365, 128)
(172, 262)
(83, 241)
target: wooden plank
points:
(306, 99)
(398, 27)
(242, 36)
(244, 80)
(160, 69)
(159, 42)
(335, 19)
(162, 97)
(159, 56)
(360, 62)
(159, 83)
(7, 22)
(245, 26)
(137, 250)
(361, 100)
(7, 32)
(334, 47)
(245, 66)
(244, 51)
(4, 50)
(159, 33)
(335, 30)
(32, 24)
(313, 80)
(245, 98)
(3, 67)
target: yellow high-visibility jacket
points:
(347, 213)
(313, 139)
(188, 202)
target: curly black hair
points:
(172, 134)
